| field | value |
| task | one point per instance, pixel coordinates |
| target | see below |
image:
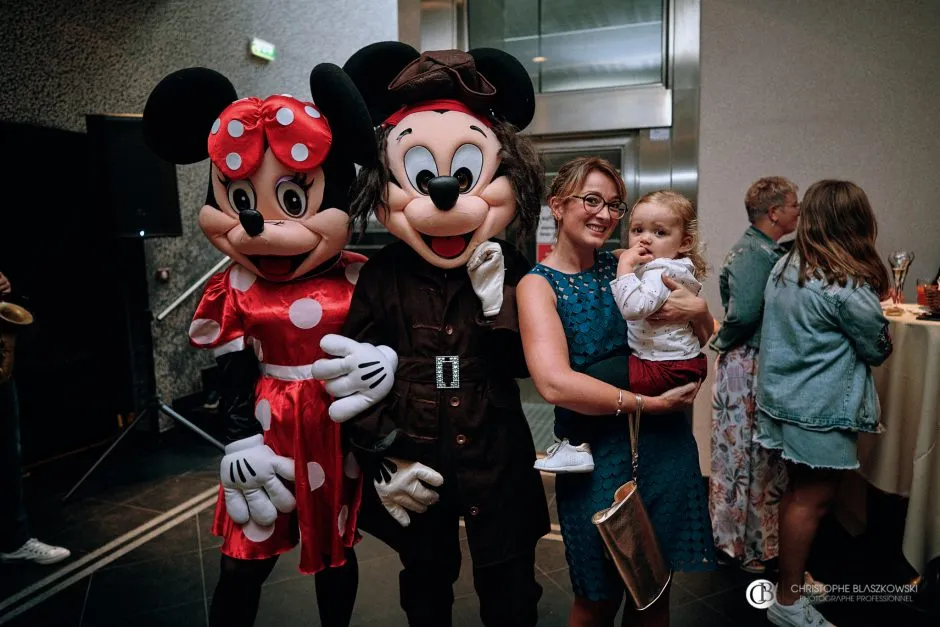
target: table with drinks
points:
(905, 459)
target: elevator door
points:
(621, 152)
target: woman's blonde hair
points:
(571, 176)
(835, 238)
(683, 208)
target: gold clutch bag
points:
(628, 535)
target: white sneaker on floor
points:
(562, 457)
(800, 614)
(35, 551)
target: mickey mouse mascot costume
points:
(281, 170)
(451, 439)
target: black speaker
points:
(131, 184)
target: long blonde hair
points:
(683, 208)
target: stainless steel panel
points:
(601, 110)
(572, 45)
(685, 79)
(438, 25)
(409, 22)
(654, 157)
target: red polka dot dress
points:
(283, 324)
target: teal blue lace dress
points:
(670, 480)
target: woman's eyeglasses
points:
(593, 203)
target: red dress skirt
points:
(283, 324)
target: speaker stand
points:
(154, 406)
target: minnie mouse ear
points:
(515, 97)
(337, 97)
(180, 112)
(372, 69)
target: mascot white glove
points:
(399, 487)
(487, 271)
(250, 482)
(362, 376)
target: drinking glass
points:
(900, 262)
(922, 291)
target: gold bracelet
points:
(639, 404)
(619, 402)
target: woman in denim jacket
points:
(747, 480)
(822, 332)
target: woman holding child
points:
(572, 313)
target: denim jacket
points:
(818, 344)
(741, 281)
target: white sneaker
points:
(800, 614)
(35, 551)
(564, 457)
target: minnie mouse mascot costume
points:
(281, 170)
(451, 439)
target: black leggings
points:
(235, 602)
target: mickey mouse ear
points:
(372, 69)
(515, 96)
(181, 110)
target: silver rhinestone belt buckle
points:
(447, 372)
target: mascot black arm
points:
(505, 340)
(374, 433)
(238, 372)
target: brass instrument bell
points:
(11, 318)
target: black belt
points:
(444, 371)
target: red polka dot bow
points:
(299, 136)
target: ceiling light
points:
(539, 59)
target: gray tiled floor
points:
(169, 580)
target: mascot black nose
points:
(443, 191)
(251, 221)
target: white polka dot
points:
(341, 519)
(299, 152)
(352, 272)
(284, 116)
(312, 112)
(204, 331)
(233, 160)
(351, 467)
(241, 278)
(216, 125)
(315, 475)
(256, 533)
(236, 128)
(263, 413)
(305, 313)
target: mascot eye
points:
(466, 166)
(241, 195)
(292, 198)
(420, 167)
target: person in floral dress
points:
(747, 481)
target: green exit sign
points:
(262, 49)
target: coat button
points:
(454, 401)
(474, 510)
(461, 439)
(449, 330)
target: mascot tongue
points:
(448, 247)
(275, 266)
